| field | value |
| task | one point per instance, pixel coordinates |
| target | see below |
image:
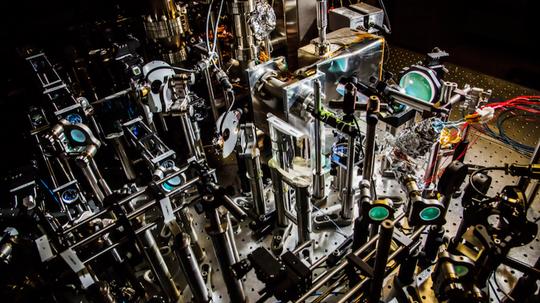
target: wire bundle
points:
(527, 107)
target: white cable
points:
(339, 230)
(212, 50)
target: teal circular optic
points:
(171, 183)
(78, 136)
(430, 213)
(461, 270)
(378, 213)
(418, 85)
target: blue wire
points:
(503, 137)
(49, 190)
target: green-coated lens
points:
(417, 85)
(172, 183)
(461, 270)
(430, 213)
(167, 187)
(78, 136)
(378, 213)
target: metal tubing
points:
(381, 258)
(66, 168)
(190, 268)
(232, 242)
(225, 255)
(322, 45)
(106, 189)
(47, 164)
(211, 96)
(322, 279)
(129, 216)
(347, 205)
(158, 265)
(192, 140)
(300, 247)
(92, 180)
(254, 174)
(318, 175)
(187, 223)
(303, 214)
(415, 103)
(369, 155)
(122, 155)
(358, 286)
(120, 242)
(322, 19)
(279, 195)
(432, 166)
(245, 48)
(352, 291)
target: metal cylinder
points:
(318, 175)
(232, 242)
(407, 269)
(279, 198)
(166, 24)
(433, 165)
(224, 252)
(92, 180)
(322, 19)
(159, 267)
(325, 277)
(322, 23)
(190, 268)
(104, 186)
(369, 155)
(303, 214)
(5, 253)
(187, 223)
(65, 167)
(120, 150)
(272, 85)
(254, 174)
(347, 205)
(361, 232)
(381, 258)
(193, 141)
(245, 48)
(211, 95)
(434, 240)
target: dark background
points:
(495, 37)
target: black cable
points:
(507, 115)
(226, 112)
(481, 170)
(174, 68)
(359, 136)
(386, 18)
(500, 288)
(494, 291)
